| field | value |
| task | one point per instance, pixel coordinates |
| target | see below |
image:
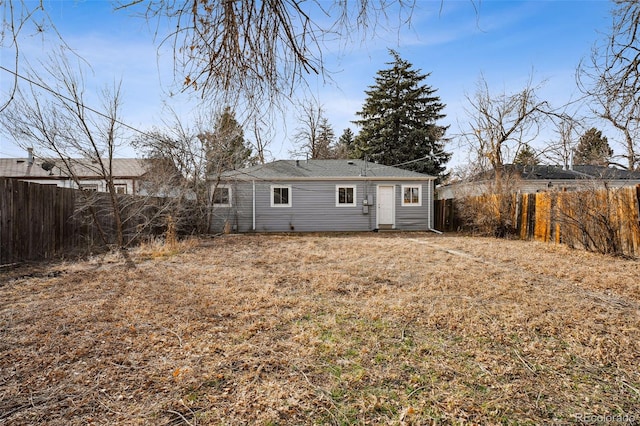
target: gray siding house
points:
(127, 172)
(321, 195)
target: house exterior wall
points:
(101, 184)
(313, 207)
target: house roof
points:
(322, 169)
(575, 172)
(551, 172)
(21, 168)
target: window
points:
(222, 196)
(411, 195)
(280, 196)
(121, 188)
(345, 195)
(89, 187)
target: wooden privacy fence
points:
(602, 220)
(45, 221)
(35, 221)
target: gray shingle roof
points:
(319, 169)
(554, 172)
(576, 172)
(20, 168)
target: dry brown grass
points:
(324, 329)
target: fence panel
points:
(445, 217)
(604, 220)
(542, 227)
(45, 221)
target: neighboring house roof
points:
(321, 169)
(25, 169)
(542, 177)
(544, 172)
(578, 172)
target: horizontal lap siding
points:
(414, 218)
(239, 215)
(314, 208)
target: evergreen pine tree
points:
(593, 149)
(526, 156)
(226, 147)
(345, 146)
(324, 148)
(398, 121)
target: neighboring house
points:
(127, 173)
(321, 195)
(531, 179)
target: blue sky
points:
(508, 42)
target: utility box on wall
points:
(365, 209)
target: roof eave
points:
(327, 178)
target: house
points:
(321, 195)
(127, 173)
(539, 178)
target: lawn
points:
(408, 328)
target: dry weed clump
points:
(324, 329)
(158, 247)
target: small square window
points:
(222, 196)
(121, 188)
(345, 195)
(280, 196)
(412, 195)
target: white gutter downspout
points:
(431, 212)
(253, 213)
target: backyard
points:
(376, 328)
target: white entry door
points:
(386, 206)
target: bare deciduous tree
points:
(254, 51)
(567, 131)
(179, 171)
(52, 117)
(190, 160)
(20, 19)
(261, 130)
(611, 78)
(314, 135)
(258, 50)
(598, 218)
(500, 125)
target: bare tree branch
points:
(611, 77)
(500, 125)
(58, 124)
(257, 50)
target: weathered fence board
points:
(45, 221)
(604, 220)
(445, 217)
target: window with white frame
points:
(121, 188)
(411, 195)
(222, 196)
(280, 196)
(89, 187)
(346, 196)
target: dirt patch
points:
(324, 329)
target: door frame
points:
(379, 205)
